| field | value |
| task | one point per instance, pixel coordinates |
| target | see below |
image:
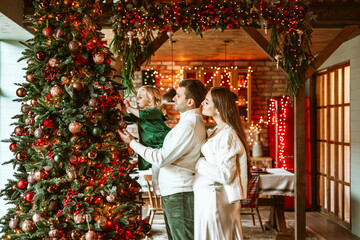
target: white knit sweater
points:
(220, 164)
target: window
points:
(333, 140)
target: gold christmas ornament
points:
(101, 221)
(56, 91)
(92, 154)
(21, 92)
(36, 217)
(90, 235)
(64, 80)
(29, 121)
(27, 225)
(38, 133)
(19, 130)
(75, 235)
(98, 58)
(110, 198)
(53, 62)
(74, 127)
(30, 78)
(31, 178)
(53, 233)
(79, 218)
(77, 86)
(14, 223)
(71, 172)
(38, 175)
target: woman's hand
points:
(125, 135)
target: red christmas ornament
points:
(22, 184)
(13, 146)
(47, 32)
(29, 197)
(79, 59)
(109, 224)
(74, 159)
(98, 58)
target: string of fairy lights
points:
(208, 75)
(282, 126)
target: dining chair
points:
(155, 205)
(252, 200)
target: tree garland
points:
(135, 22)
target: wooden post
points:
(299, 131)
(313, 134)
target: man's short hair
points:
(195, 90)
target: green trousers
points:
(179, 215)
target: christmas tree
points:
(73, 177)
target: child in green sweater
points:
(151, 126)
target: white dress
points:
(215, 217)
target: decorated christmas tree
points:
(73, 178)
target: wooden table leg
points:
(277, 221)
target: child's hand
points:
(126, 103)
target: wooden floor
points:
(320, 224)
(317, 222)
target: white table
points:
(277, 183)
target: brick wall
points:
(267, 82)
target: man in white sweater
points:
(177, 158)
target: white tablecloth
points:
(277, 182)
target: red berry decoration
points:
(21, 92)
(22, 184)
(29, 197)
(30, 78)
(47, 32)
(13, 146)
(98, 58)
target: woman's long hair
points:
(225, 102)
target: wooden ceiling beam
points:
(155, 45)
(329, 49)
(260, 41)
(335, 14)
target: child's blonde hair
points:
(153, 95)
